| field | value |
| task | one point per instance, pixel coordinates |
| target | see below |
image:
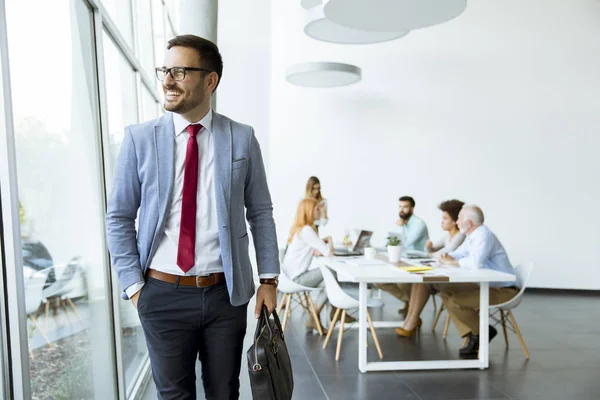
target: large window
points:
(54, 95)
(160, 37)
(120, 13)
(123, 111)
(144, 36)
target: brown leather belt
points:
(197, 281)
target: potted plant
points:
(394, 249)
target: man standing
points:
(413, 235)
(481, 249)
(192, 174)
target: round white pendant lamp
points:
(320, 28)
(391, 15)
(323, 74)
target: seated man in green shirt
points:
(413, 236)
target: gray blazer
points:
(143, 180)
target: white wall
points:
(498, 107)
(244, 33)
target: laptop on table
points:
(358, 250)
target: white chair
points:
(504, 310)
(343, 302)
(59, 291)
(523, 273)
(33, 298)
(288, 287)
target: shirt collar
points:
(181, 123)
(474, 234)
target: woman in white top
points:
(420, 292)
(304, 243)
(313, 191)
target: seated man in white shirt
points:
(413, 236)
(481, 249)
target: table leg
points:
(484, 318)
(362, 327)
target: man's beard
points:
(405, 217)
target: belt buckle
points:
(202, 276)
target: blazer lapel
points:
(164, 140)
(223, 154)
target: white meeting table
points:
(389, 273)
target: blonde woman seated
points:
(303, 245)
(313, 191)
(451, 241)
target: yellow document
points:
(416, 268)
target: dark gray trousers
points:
(182, 323)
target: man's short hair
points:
(473, 213)
(408, 199)
(208, 51)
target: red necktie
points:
(186, 249)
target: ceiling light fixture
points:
(323, 74)
(391, 15)
(320, 28)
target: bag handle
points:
(275, 318)
(263, 322)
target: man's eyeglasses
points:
(177, 73)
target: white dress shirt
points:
(482, 249)
(298, 257)
(208, 251)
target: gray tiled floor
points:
(561, 331)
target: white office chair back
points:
(287, 285)
(336, 295)
(33, 290)
(523, 273)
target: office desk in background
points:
(357, 270)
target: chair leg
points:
(63, 304)
(446, 326)
(340, 336)
(306, 303)
(374, 336)
(72, 305)
(39, 328)
(288, 305)
(47, 312)
(518, 332)
(504, 326)
(281, 303)
(287, 313)
(313, 311)
(333, 322)
(437, 317)
(434, 302)
(301, 301)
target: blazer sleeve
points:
(259, 212)
(122, 206)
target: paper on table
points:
(363, 261)
(416, 268)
